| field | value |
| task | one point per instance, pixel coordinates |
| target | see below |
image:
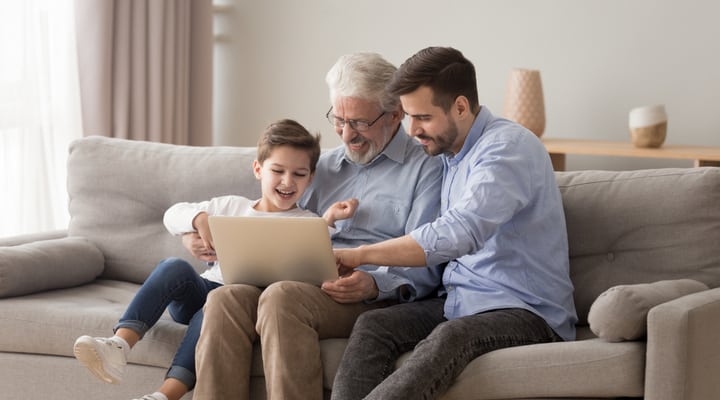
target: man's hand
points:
(353, 288)
(347, 259)
(197, 247)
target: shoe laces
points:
(116, 345)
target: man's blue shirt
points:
(502, 228)
(398, 191)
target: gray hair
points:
(365, 76)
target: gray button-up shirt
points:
(398, 191)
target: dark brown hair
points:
(287, 132)
(444, 70)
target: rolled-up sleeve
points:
(418, 282)
(493, 194)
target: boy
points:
(286, 158)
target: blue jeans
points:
(442, 348)
(174, 284)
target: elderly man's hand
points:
(352, 288)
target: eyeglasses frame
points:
(340, 123)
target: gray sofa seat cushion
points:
(49, 322)
(628, 227)
(550, 370)
(119, 190)
(48, 264)
(585, 368)
(544, 370)
(554, 370)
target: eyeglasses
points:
(359, 125)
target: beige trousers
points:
(224, 350)
(290, 318)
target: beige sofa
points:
(624, 228)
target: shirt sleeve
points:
(179, 217)
(395, 283)
(494, 189)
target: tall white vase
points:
(524, 102)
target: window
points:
(39, 113)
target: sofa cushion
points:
(620, 313)
(49, 322)
(579, 369)
(48, 264)
(629, 227)
(119, 190)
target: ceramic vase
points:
(524, 102)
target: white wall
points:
(598, 59)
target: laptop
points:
(261, 250)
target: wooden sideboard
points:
(559, 148)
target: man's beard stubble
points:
(373, 148)
(443, 142)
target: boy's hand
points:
(195, 245)
(341, 210)
(202, 227)
(200, 244)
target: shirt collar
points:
(482, 120)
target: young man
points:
(379, 164)
(501, 231)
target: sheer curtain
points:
(39, 113)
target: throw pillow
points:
(620, 313)
(48, 264)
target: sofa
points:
(644, 260)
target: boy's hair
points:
(444, 70)
(287, 132)
(362, 75)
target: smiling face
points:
(362, 147)
(434, 128)
(283, 176)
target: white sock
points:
(125, 346)
(159, 396)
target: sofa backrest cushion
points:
(119, 190)
(628, 227)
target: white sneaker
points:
(152, 397)
(103, 357)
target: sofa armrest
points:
(48, 264)
(32, 237)
(682, 352)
